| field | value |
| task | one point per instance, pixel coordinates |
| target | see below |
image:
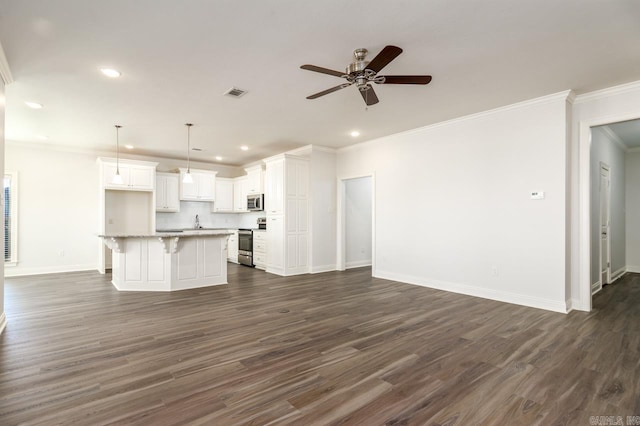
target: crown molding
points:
(5, 71)
(536, 101)
(605, 93)
(614, 138)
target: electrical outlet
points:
(494, 271)
(110, 222)
(61, 253)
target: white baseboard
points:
(596, 287)
(19, 272)
(618, 274)
(634, 269)
(322, 268)
(357, 263)
(3, 322)
(485, 293)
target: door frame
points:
(341, 221)
(584, 203)
(604, 166)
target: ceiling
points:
(628, 132)
(177, 58)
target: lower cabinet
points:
(232, 246)
(260, 248)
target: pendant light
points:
(117, 179)
(188, 178)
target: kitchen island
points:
(168, 261)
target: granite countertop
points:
(162, 234)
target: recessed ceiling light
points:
(218, 158)
(129, 146)
(355, 133)
(244, 148)
(110, 72)
(34, 105)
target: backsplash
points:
(185, 218)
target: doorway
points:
(356, 229)
(615, 202)
(605, 225)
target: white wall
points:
(633, 211)
(322, 180)
(3, 321)
(57, 210)
(592, 109)
(453, 208)
(358, 221)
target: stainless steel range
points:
(245, 247)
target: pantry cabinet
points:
(287, 202)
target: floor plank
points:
(331, 348)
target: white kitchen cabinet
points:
(232, 246)
(224, 196)
(203, 187)
(255, 180)
(287, 201)
(135, 177)
(274, 183)
(260, 248)
(167, 192)
(240, 185)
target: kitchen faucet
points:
(197, 224)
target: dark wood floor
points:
(333, 348)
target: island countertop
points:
(170, 234)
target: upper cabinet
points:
(240, 185)
(255, 180)
(203, 187)
(274, 194)
(136, 175)
(167, 192)
(224, 196)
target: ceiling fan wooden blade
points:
(322, 70)
(369, 96)
(406, 79)
(388, 54)
(326, 92)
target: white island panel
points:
(166, 262)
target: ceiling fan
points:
(362, 73)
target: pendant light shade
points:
(188, 178)
(117, 179)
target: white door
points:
(605, 225)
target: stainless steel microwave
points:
(255, 203)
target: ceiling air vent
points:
(234, 92)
